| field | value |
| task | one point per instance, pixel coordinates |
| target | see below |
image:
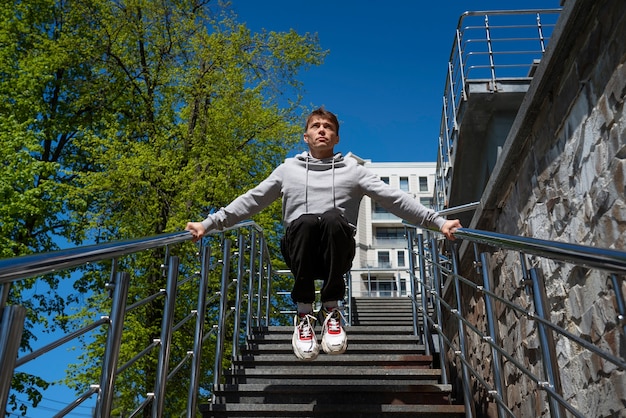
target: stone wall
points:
(562, 176)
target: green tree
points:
(128, 118)
(45, 78)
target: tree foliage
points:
(123, 119)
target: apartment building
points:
(381, 262)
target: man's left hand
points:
(450, 227)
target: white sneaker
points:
(304, 343)
(334, 338)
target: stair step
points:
(333, 410)
(356, 337)
(357, 343)
(366, 321)
(352, 392)
(325, 360)
(384, 373)
(304, 370)
(354, 329)
(286, 348)
(321, 379)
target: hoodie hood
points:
(336, 161)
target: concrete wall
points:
(561, 176)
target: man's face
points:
(321, 137)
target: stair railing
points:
(251, 252)
(444, 287)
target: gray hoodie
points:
(309, 185)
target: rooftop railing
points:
(488, 47)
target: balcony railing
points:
(389, 242)
(492, 47)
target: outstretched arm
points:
(450, 227)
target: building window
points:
(389, 237)
(383, 259)
(386, 289)
(404, 184)
(423, 184)
(378, 208)
(379, 212)
(402, 287)
(386, 286)
(385, 180)
(401, 261)
(427, 201)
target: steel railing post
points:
(454, 107)
(619, 301)
(467, 393)
(540, 33)
(349, 317)
(166, 337)
(219, 348)
(410, 236)
(4, 294)
(251, 275)
(491, 329)
(203, 285)
(437, 291)
(268, 290)
(259, 303)
(11, 329)
(459, 48)
(241, 271)
(268, 293)
(492, 65)
(422, 267)
(546, 340)
(112, 347)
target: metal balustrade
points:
(245, 271)
(489, 47)
(437, 275)
(246, 297)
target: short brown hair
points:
(322, 113)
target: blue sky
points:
(384, 78)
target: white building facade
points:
(380, 266)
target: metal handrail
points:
(594, 257)
(432, 268)
(435, 273)
(28, 266)
(31, 265)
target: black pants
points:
(319, 247)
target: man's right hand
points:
(196, 229)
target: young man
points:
(321, 192)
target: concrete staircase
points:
(384, 373)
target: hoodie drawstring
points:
(306, 186)
(333, 166)
(306, 181)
